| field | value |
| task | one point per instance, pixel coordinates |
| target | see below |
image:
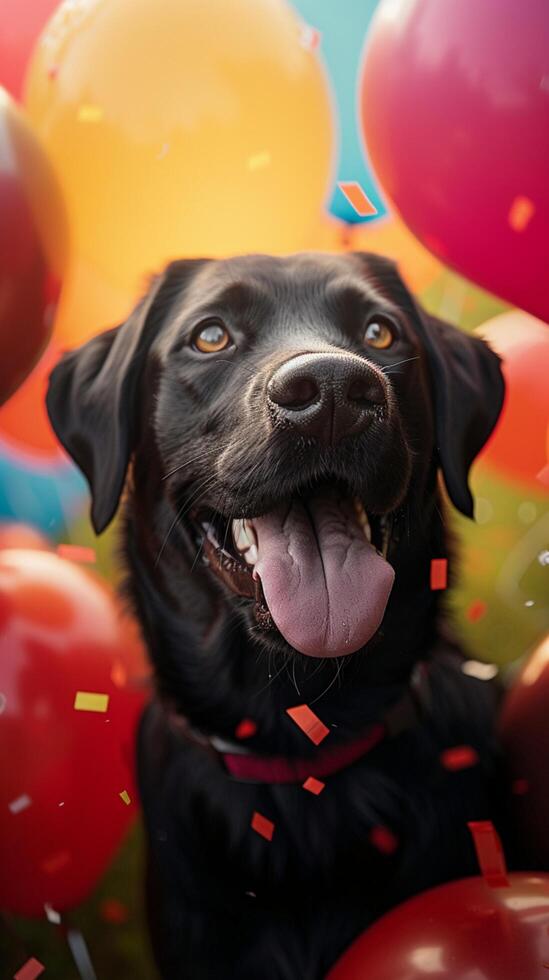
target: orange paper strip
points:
(439, 573)
(489, 853)
(313, 785)
(357, 198)
(309, 723)
(262, 826)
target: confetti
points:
(489, 853)
(543, 557)
(476, 610)
(459, 757)
(519, 787)
(55, 862)
(89, 701)
(543, 476)
(118, 674)
(439, 573)
(111, 910)
(521, 213)
(310, 724)
(3, 702)
(245, 728)
(480, 670)
(313, 785)
(77, 552)
(31, 969)
(20, 804)
(356, 197)
(383, 840)
(51, 914)
(125, 797)
(262, 826)
(89, 113)
(259, 160)
(309, 38)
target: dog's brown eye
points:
(212, 338)
(379, 334)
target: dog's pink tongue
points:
(325, 585)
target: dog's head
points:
(297, 407)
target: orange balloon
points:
(518, 446)
(24, 424)
(179, 128)
(387, 236)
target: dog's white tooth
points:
(240, 536)
(251, 555)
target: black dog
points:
(280, 425)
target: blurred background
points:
(137, 131)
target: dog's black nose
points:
(326, 396)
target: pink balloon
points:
(455, 114)
(21, 22)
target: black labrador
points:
(280, 426)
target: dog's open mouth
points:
(318, 564)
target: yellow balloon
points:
(179, 128)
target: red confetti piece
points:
(77, 552)
(111, 910)
(476, 611)
(459, 757)
(310, 724)
(31, 969)
(357, 198)
(55, 862)
(489, 853)
(309, 37)
(262, 826)
(245, 728)
(543, 476)
(521, 213)
(520, 787)
(119, 675)
(313, 785)
(383, 840)
(439, 573)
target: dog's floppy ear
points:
(468, 391)
(92, 395)
(466, 379)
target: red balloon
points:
(17, 535)
(519, 445)
(22, 21)
(455, 114)
(63, 770)
(524, 732)
(465, 930)
(32, 248)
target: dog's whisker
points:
(179, 516)
(389, 367)
(339, 666)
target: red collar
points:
(242, 765)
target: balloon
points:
(32, 248)
(524, 733)
(178, 129)
(67, 792)
(21, 24)
(24, 424)
(464, 930)
(17, 535)
(46, 495)
(455, 115)
(342, 28)
(519, 446)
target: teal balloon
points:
(343, 26)
(48, 496)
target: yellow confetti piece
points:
(89, 701)
(90, 113)
(259, 160)
(125, 797)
